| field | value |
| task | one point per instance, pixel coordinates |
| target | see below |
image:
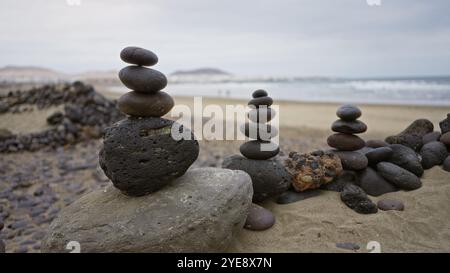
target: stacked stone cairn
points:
(140, 155)
(160, 205)
(269, 177)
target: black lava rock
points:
(374, 184)
(338, 184)
(55, 118)
(413, 134)
(433, 153)
(398, 176)
(140, 155)
(379, 154)
(445, 124)
(269, 177)
(356, 199)
(406, 158)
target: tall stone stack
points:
(345, 140)
(140, 155)
(269, 177)
(258, 129)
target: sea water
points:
(397, 91)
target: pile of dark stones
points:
(139, 154)
(269, 177)
(2, 244)
(380, 167)
(85, 115)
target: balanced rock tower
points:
(345, 140)
(140, 155)
(268, 175)
(178, 210)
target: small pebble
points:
(347, 245)
(390, 204)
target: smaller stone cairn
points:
(269, 177)
(258, 129)
(345, 140)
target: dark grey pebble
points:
(348, 112)
(138, 56)
(347, 245)
(260, 93)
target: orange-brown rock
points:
(310, 171)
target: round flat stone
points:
(260, 93)
(351, 160)
(259, 131)
(345, 142)
(446, 164)
(257, 102)
(142, 79)
(348, 246)
(138, 56)
(259, 218)
(445, 138)
(390, 204)
(376, 143)
(145, 105)
(254, 150)
(349, 127)
(261, 115)
(348, 112)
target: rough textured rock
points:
(348, 112)
(390, 204)
(379, 154)
(253, 150)
(293, 196)
(433, 136)
(413, 134)
(406, 158)
(446, 164)
(310, 171)
(445, 124)
(445, 138)
(259, 218)
(349, 127)
(374, 184)
(269, 177)
(352, 160)
(198, 212)
(398, 176)
(356, 199)
(142, 79)
(145, 105)
(345, 142)
(138, 56)
(140, 156)
(376, 143)
(433, 153)
(338, 184)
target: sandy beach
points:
(317, 224)
(312, 225)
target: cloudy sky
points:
(245, 37)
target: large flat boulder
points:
(198, 212)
